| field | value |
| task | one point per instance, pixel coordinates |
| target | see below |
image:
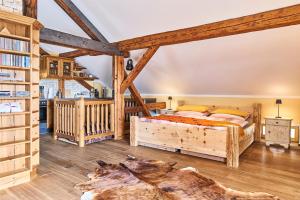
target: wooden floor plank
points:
(272, 170)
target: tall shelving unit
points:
(19, 131)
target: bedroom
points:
(217, 94)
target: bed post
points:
(134, 121)
(257, 121)
(233, 147)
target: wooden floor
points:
(271, 170)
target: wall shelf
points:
(14, 68)
(14, 52)
(13, 143)
(11, 128)
(7, 35)
(15, 157)
(14, 113)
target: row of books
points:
(15, 45)
(14, 93)
(14, 60)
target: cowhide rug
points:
(137, 179)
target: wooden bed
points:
(224, 145)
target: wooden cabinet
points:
(56, 67)
(278, 131)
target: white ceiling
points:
(265, 63)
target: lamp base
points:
(278, 117)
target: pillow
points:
(197, 108)
(227, 116)
(192, 114)
(231, 112)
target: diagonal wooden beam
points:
(64, 39)
(138, 68)
(85, 84)
(261, 21)
(81, 20)
(137, 97)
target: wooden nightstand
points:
(278, 131)
(166, 112)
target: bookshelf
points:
(19, 98)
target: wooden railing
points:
(83, 121)
(133, 109)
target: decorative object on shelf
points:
(96, 94)
(129, 65)
(170, 101)
(278, 102)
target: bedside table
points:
(278, 131)
(166, 112)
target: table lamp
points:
(170, 99)
(278, 102)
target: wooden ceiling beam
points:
(75, 53)
(81, 20)
(50, 36)
(138, 68)
(266, 20)
(30, 8)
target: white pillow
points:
(227, 116)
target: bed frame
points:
(221, 145)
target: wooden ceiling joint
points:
(138, 68)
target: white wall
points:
(264, 63)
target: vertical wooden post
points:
(112, 117)
(55, 117)
(61, 86)
(133, 130)
(118, 77)
(257, 121)
(233, 153)
(80, 115)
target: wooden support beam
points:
(74, 54)
(138, 68)
(266, 20)
(81, 20)
(43, 52)
(78, 53)
(85, 84)
(30, 8)
(137, 97)
(150, 106)
(67, 40)
(118, 77)
(61, 86)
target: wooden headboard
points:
(254, 110)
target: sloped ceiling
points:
(265, 63)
